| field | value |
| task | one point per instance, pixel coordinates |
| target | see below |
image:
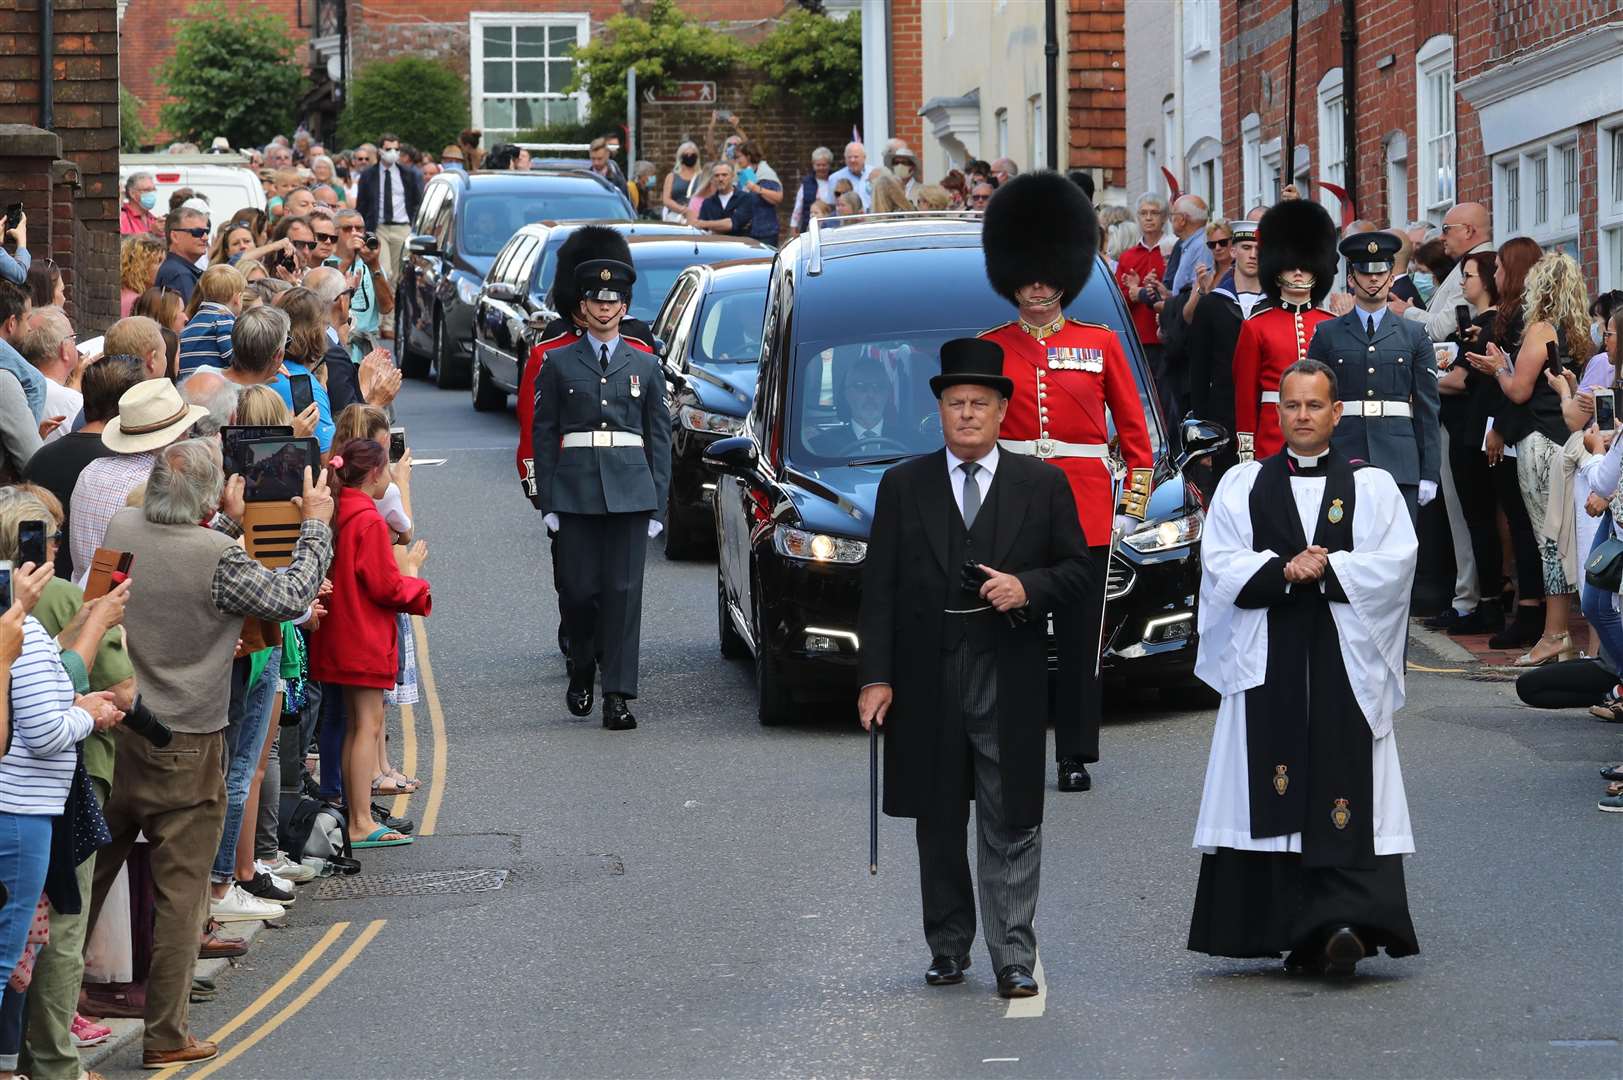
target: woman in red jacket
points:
(355, 646)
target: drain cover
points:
(429, 883)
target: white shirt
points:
(877, 431)
(859, 184)
(983, 476)
(397, 215)
(61, 401)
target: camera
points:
(140, 720)
(370, 240)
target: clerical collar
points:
(1041, 332)
(1305, 465)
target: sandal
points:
(402, 780)
(1612, 714)
(381, 837)
(1614, 773)
(394, 788)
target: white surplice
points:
(1372, 628)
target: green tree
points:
(815, 60)
(132, 130)
(232, 74)
(422, 102)
(665, 45)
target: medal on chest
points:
(636, 391)
(1071, 358)
(1335, 515)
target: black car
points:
(464, 220)
(795, 501)
(711, 328)
(512, 306)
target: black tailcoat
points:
(1037, 538)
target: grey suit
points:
(603, 495)
(1398, 364)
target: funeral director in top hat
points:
(1387, 371)
(1041, 238)
(602, 440)
(971, 548)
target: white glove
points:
(1428, 491)
(551, 521)
(1126, 525)
(655, 528)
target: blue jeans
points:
(25, 855)
(330, 737)
(244, 742)
(13, 1009)
(1597, 606)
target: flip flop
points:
(375, 839)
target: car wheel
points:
(487, 396)
(447, 375)
(732, 643)
(773, 706)
(413, 364)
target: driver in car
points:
(867, 408)
(486, 228)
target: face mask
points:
(390, 156)
(904, 171)
(149, 199)
(690, 159)
(1424, 282)
(1596, 334)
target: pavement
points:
(693, 898)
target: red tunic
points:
(556, 336)
(355, 644)
(1062, 385)
(1271, 340)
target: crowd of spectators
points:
(202, 731)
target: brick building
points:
(1516, 104)
(59, 144)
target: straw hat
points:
(151, 414)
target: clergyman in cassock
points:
(969, 551)
(1306, 562)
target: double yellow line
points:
(277, 989)
(408, 737)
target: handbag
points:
(1604, 567)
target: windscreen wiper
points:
(890, 460)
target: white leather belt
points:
(1270, 396)
(601, 439)
(1376, 408)
(1053, 448)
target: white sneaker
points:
(287, 869)
(283, 883)
(238, 906)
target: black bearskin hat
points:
(585, 244)
(1296, 234)
(1039, 227)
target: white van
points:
(226, 180)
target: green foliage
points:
(422, 102)
(232, 74)
(132, 131)
(815, 60)
(561, 133)
(665, 45)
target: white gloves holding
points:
(654, 527)
(551, 521)
(1126, 525)
(1428, 491)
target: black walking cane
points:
(873, 797)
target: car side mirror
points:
(731, 457)
(661, 348)
(422, 245)
(1201, 438)
(501, 290)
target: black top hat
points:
(1371, 252)
(971, 360)
(604, 279)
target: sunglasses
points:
(305, 245)
(326, 237)
(980, 198)
(1219, 243)
(352, 228)
(200, 233)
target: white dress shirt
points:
(983, 477)
(398, 214)
(862, 431)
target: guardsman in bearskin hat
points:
(1296, 267)
(602, 437)
(585, 244)
(1041, 239)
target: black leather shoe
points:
(1342, 951)
(1015, 981)
(579, 697)
(617, 714)
(1488, 618)
(1073, 775)
(946, 970)
(1305, 962)
(1443, 620)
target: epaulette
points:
(996, 328)
(1090, 325)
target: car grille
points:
(1119, 581)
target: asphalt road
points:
(692, 898)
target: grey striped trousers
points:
(1008, 860)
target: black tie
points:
(603, 358)
(972, 493)
(387, 217)
(1369, 327)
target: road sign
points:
(693, 92)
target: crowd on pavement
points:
(195, 724)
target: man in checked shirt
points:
(192, 588)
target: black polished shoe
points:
(1305, 961)
(1488, 618)
(1443, 620)
(946, 970)
(1073, 775)
(1015, 981)
(1342, 951)
(579, 697)
(1521, 632)
(617, 714)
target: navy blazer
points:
(741, 209)
(1398, 365)
(368, 193)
